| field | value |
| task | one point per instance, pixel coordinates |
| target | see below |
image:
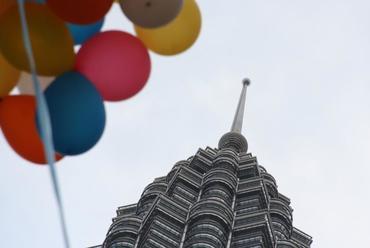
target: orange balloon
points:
(80, 11)
(5, 4)
(17, 121)
(52, 43)
(8, 77)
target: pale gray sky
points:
(307, 121)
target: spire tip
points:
(246, 81)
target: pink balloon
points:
(116, 62)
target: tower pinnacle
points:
(234, 139)
(239, 114)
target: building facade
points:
(217, 198)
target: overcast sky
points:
(307, 121)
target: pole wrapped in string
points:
(44, 120)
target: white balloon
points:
(151, 13)
(25, 85)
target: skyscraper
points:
(217, 198)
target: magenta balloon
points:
(116, 62)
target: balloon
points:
(151, 13)
(80, 11)
(81, 33)
(76, 112)
(5, 4)
(52, 44)
(25, 84)
(36, 1)
(116, 62)
(8, 77)
(178, 35)
(17, 120)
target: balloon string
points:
(44, 120)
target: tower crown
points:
(234, 139)
(218, 198)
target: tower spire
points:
(234, 139)
(239, 114)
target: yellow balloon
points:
(178, 35)
(8, 77)
(52, 43)
(25, 84)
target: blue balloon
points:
(81, 33)
(77, 113)
(36, 1)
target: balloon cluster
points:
(79, 67)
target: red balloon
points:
(116, 62)
(18, 123)
(80, 11)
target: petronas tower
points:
(217, 198)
